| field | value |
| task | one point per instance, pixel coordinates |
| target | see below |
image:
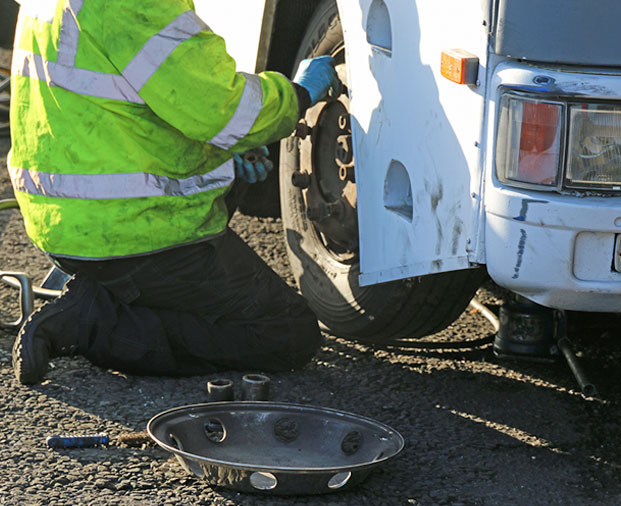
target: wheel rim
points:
(327, 175)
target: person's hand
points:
(253, 165)
(317, 76)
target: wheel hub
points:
(327, 175)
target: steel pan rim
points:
(278, 469)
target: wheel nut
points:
(302, 130)
(301, 179)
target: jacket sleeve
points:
(182, 71)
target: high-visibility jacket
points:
(125, 116)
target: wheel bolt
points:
(301, 180)
(302, 130)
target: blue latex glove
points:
(317, 75)
(253, 165)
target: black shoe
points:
(51, 331)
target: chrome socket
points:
(255, 387)
(220, 389)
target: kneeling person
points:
(128, 125)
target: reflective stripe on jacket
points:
(124, 118)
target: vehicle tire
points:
(324, 251)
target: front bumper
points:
(556, 250)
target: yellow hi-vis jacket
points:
(124, 118)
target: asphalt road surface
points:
(477, 430)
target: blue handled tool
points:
(130, 439)
(85, 441)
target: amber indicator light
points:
(459, 66)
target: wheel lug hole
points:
(347, 173)
(344, 122)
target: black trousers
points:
(192, 310)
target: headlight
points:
(594, 148)
(531, 148)
(528, 148)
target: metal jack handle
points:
(26, 298)
(54, 280)
(586, 386)
(564, 345)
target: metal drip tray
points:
(273, 447)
